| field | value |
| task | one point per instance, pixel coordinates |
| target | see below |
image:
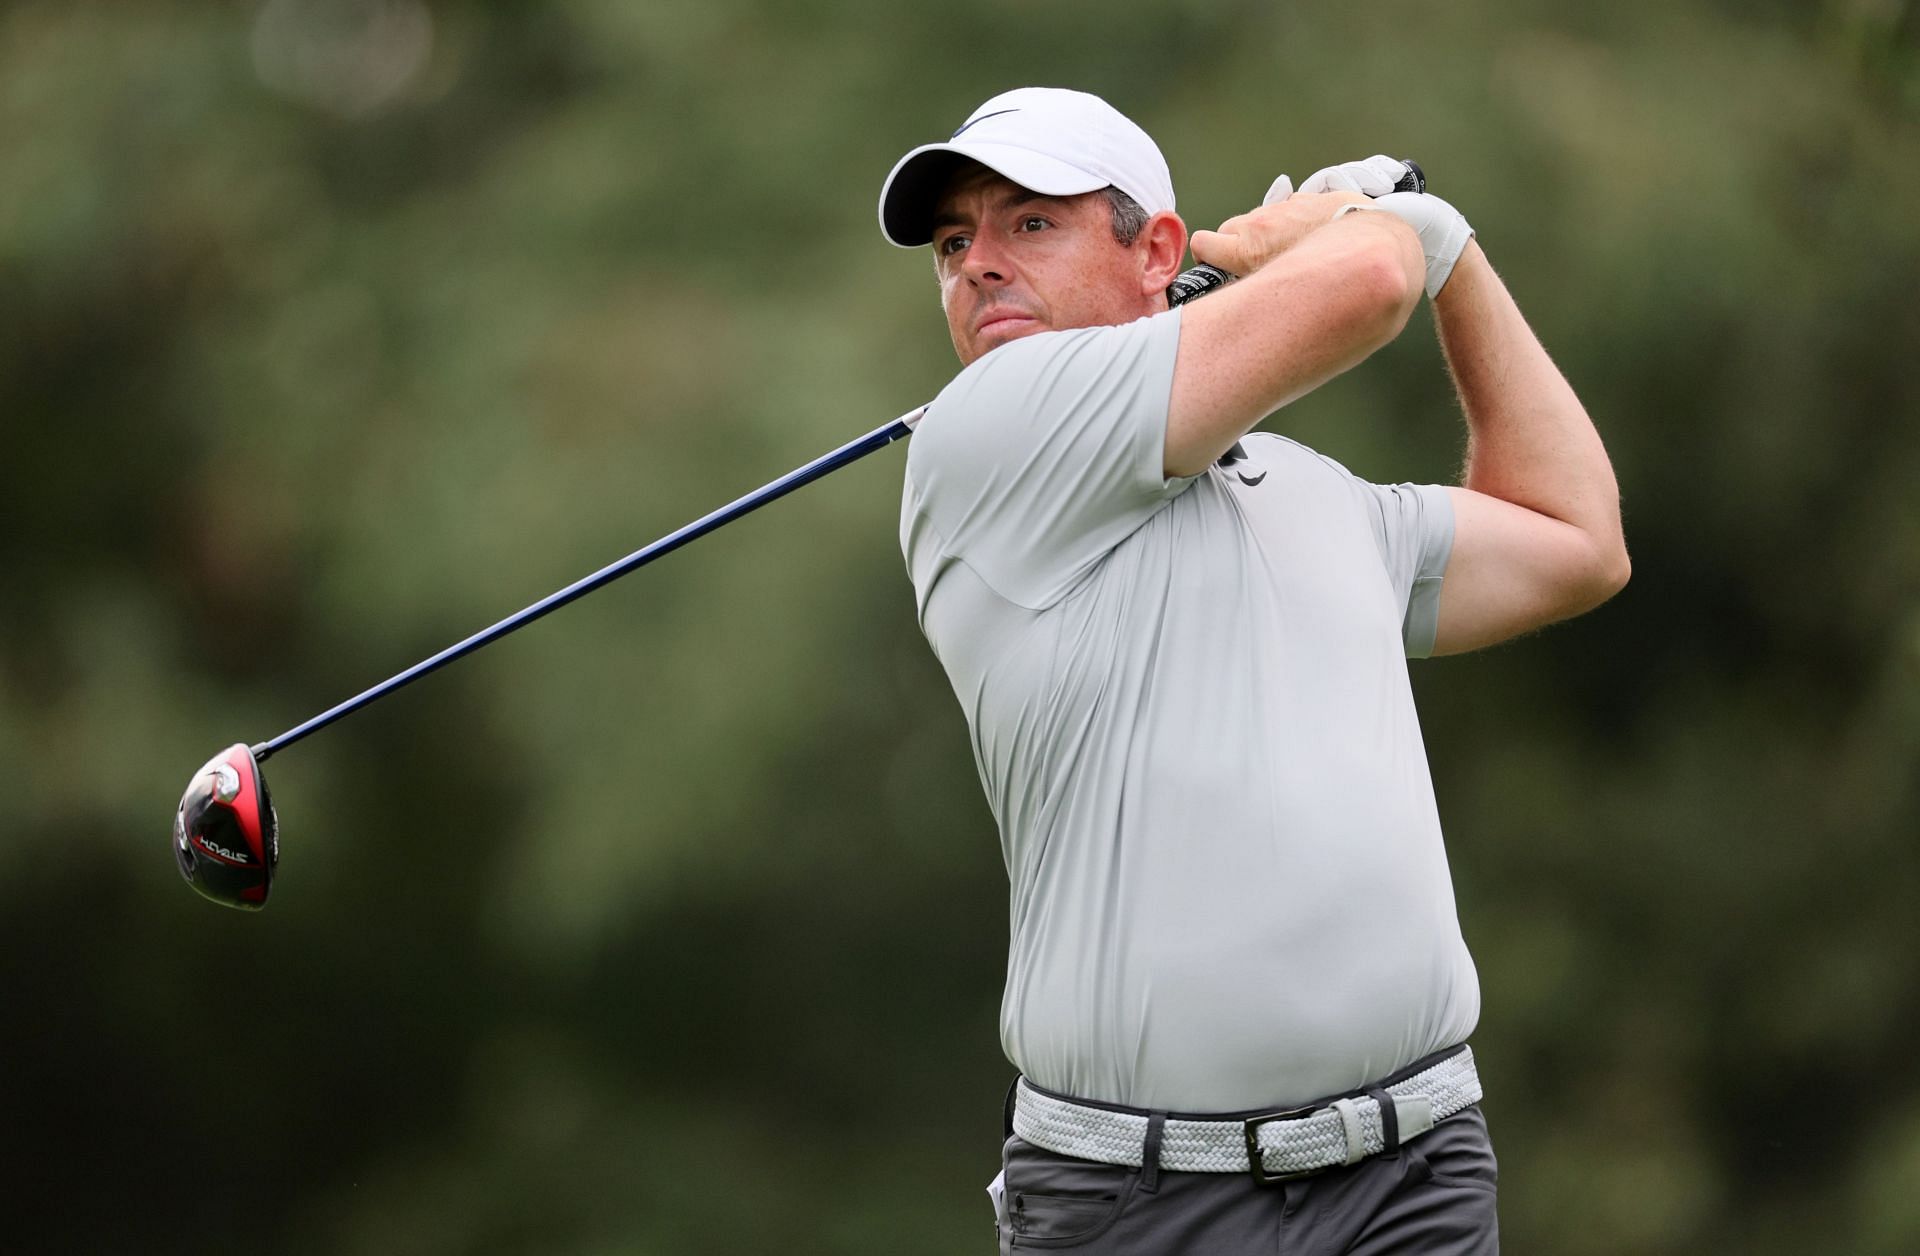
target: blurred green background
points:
(332, 330)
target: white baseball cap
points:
(1048, 139)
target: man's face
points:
(1013, 262)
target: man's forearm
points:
(1318, 297)
(1529, 441)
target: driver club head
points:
(225, 834)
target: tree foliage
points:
(332, 330)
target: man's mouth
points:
(1003, 320)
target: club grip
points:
(1202, 279)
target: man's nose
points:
(986, 261)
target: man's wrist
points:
(1443, 231)
(1469, 270)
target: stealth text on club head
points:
(225, 835)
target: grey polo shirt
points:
(1190, 711)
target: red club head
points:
(225, 834)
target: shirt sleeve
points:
(1413, 524)
(1046, 453)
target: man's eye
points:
(952, 244)
(1034, 222)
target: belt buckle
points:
(1251, 1128)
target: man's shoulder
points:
(1012, 369)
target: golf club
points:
(226, 836)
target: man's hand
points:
(1443, 230)
(1376, 176)
(1246, 242)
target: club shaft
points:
(1196, 282)
(852, 451)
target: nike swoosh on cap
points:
(973, 122)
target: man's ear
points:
(1163, 246)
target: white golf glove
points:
(1282, 188)
(1443, 230)
(1373, 177)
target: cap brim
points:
(912, 191)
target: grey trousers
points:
(1434, 1196)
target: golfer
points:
(1237, 993)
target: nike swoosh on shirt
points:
(1238, 453)
(973, 122)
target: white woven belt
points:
(1290, 1143)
